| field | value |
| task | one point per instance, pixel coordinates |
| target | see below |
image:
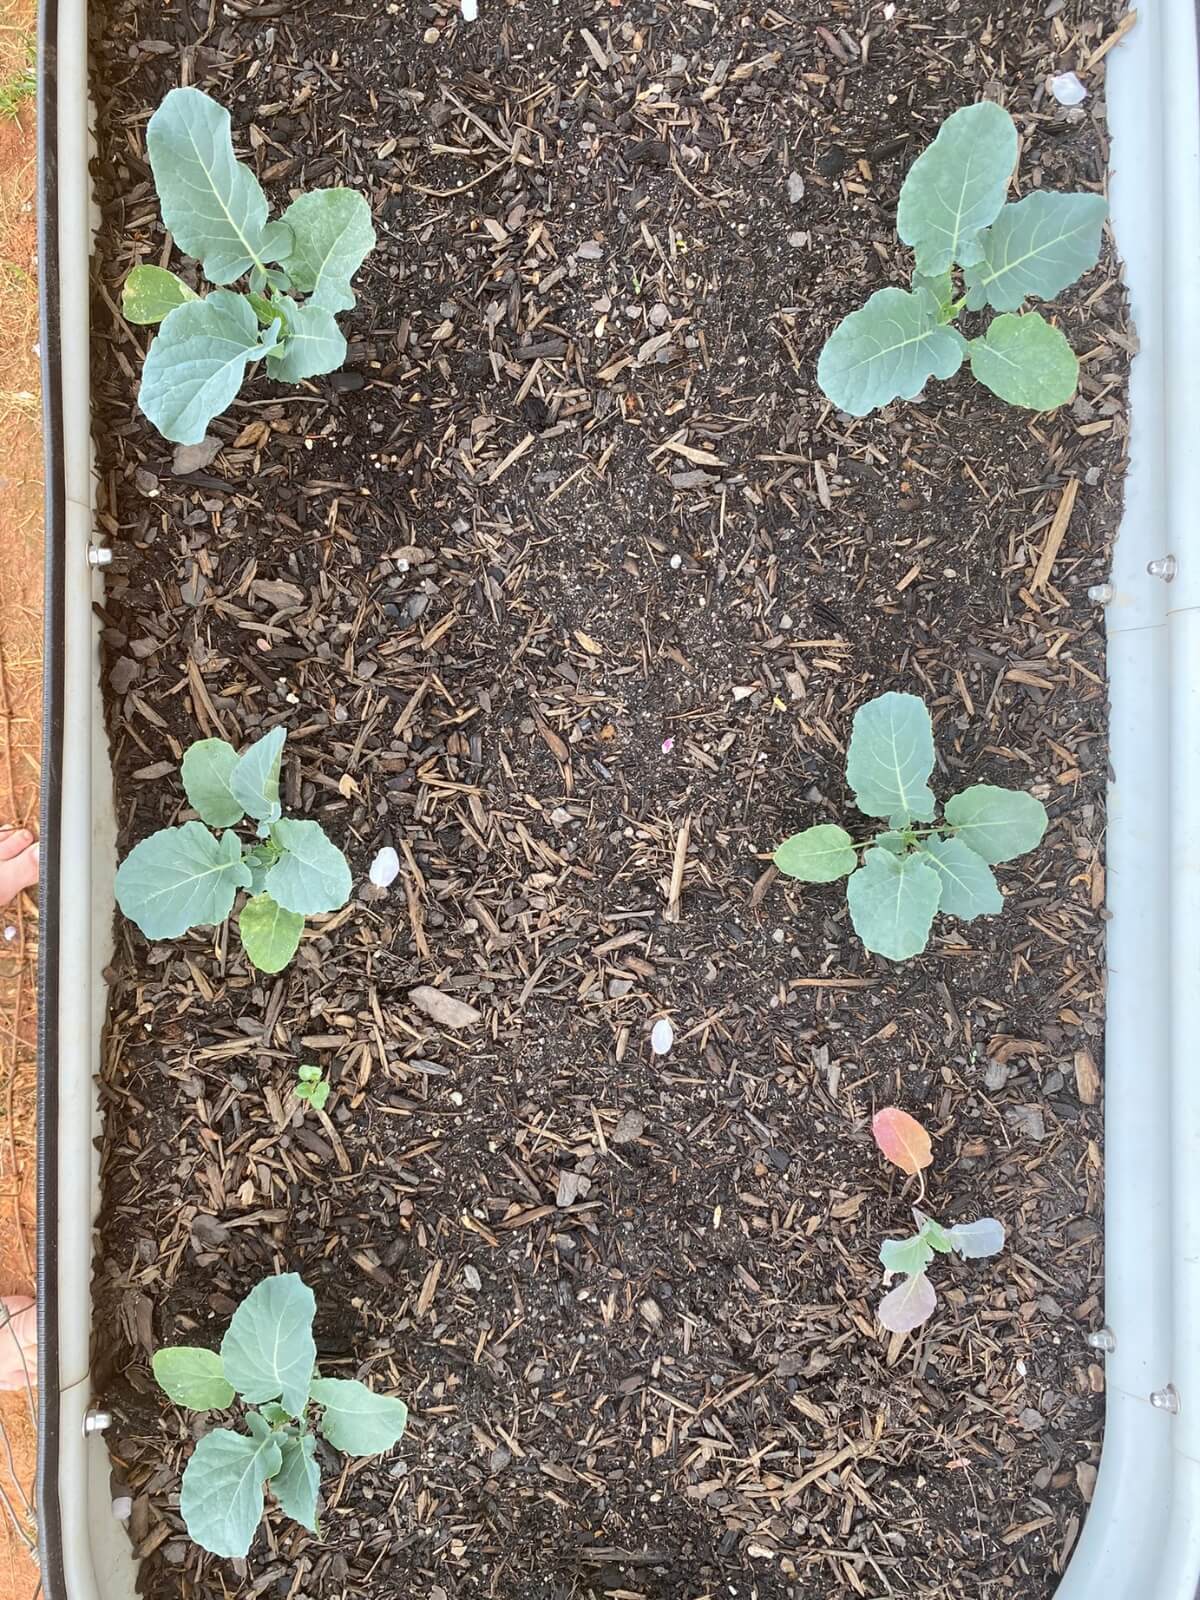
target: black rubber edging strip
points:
(49, 1504)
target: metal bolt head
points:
(1102, 1339)
(1166, 1399)
(99, 555)
(97, 1421)
(1165, 568)
(1100, 593)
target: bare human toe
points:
(13, 841)
(17, 872)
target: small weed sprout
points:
(953, 214)
(267, 1358)
(189, 877)
(915, 866)
(906, 1144)
(312, 1086)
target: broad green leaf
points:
(974, 1240)
(312, 875)
(906, 1256)
(892, 902)
(221, 1498)
(997, 824)
(255, 778)
(333, 236)
(356, 1419)
(192, 1377)
(269, 933)
(888, 349)
(1036, 247)
(956, 187)
(890, 757)
(908, 1305)
(206, 771)
(817, 855)
(274, 1413)
(1026, 361)
(268, 1351)
(891, 840)
(296, 1483)
(150, 292)
(941, 288)
(968, 887)
(180, 878)
(312, 344)
(932, 1232)
(197, 361)
(211, 202)
(267, 311)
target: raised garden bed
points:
(567, 587)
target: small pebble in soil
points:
(385, 868)
(676, 563)
(470, 10)
(1067, 89)
(662, 1037)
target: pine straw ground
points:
(576, 495)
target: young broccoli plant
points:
(215, 210)
(910, 871)
(906, 1144)
(188, 877)
(268, 1358)
(953, 214)
(312, 1087)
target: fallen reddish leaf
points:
(902, 1139)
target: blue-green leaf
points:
(997, 824)
(206, 771)
(313, 343)
(150, 292)
(211, 202)
(956, 187)
(1026, 361)
(221, 1499)
(180, 878)
(817, 855)
(908, 1305)
(890, 758)
(892, 902)
(255, 777)
(932, 1232)
(268, 1351)
(269, 933)
(356, 1419)
(888, 349)
(312, 874)
(968, 886)
(298, 1481)
(196, 364)
(192, 1377)
(1036, 247)
(974, 1240)
(906, 1256)
(332, 237)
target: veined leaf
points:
(968, 887)
(997, 824)
(312, 344)
(817, 855)
(356, 1419)
(932, 1232)
(974, 1240)
(196, 364)
(905, 1256)
(269, 933)
(268, 1351)
(298, 1480)
(211, 202)
(1036, 247)
(892, 902)
(908, 1305)
(888, 349)
(901, 1139)
(312, 875)
(333, 236)
(221, 1499)
(956, 187)
(890, 757)
(192, 1377)
(255, 778)
(180, 878)
(150, 292)
(206, 771)
(941, 288)
(1026, 361)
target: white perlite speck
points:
(1067, 89)
(385, 868)
(662, 1037)
(470, 10)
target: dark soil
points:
(575, 496)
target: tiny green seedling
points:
(906, 1144)
(909, 872)
(312, 1087)
(189, 877)
(952, 212)
(268, 1357)
(214, 209)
